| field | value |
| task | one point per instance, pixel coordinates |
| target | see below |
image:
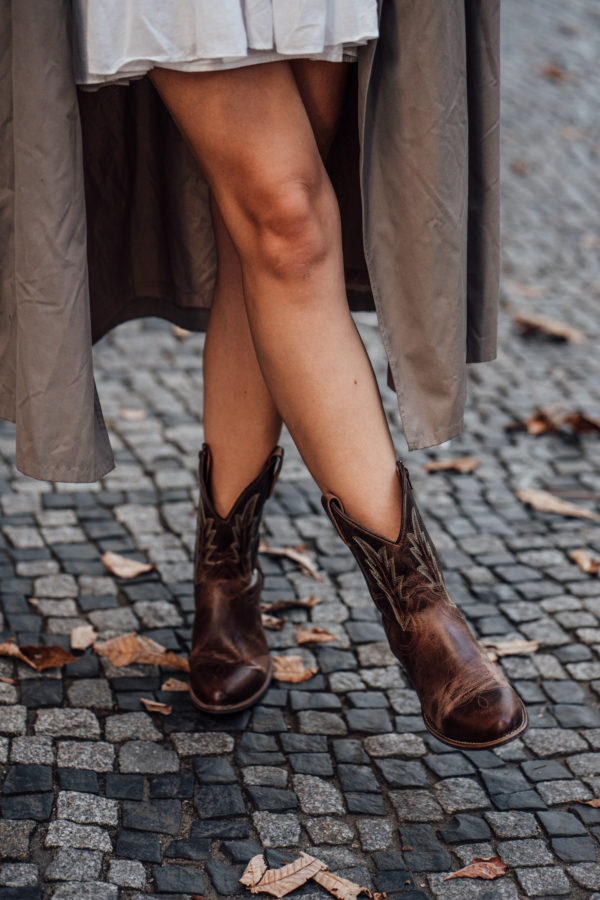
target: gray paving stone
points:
(549, 881)
(67, 723)
(74, 865)
(91, 890)
(87, 808)
(375, 834)
(148, 757)
(91, 692)
(131, 726)
(456, 794)
(14, 838)
(311, 722)
(317, 796)
(96, 755)
(205, 744)
(407, 745)
(328, 830)
(551, 741)
(127, 873)
(416, 806)
(586, 874)
(277, 829)
(526, 852)
(19, 874)
(13, 720)
(62, 833)
(467, 889)
(513, 824)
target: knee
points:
(290, 225)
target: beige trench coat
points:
(104, 217)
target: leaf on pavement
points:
(174, 684)
(181, 333)
(314, 635)
(553, 72)
(254, 871)
(463, 464)
(581, 423)
(291, 669)
(286, 879)
(155, 706)
(296, 554)
(541, 421)
(342, 888)
(544, 501)
(291, 603)
(133, 415)
(512, 647)
(481, 867)
(38, 657)
(585, 562)
(595, 803)
(274, 623)
(83, 636)
(531, 324)
(133, 648)
(124, 568)
(8, 680)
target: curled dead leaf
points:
(133, 415)
(254, 871)
(512, 647)
(553, 72)
(38, 657)
(314, 635)
(282, 881)
(481, 867)
(463, 464)
(342, 888)
(531, 324)
(131, 648)
(551, 420)
(585, 562)
(582, 423)
(181, 333)
(83, 636)
(544, 501)
(124, 568)
(595, 803)
(174, 684)
(155, 706)
(291, 603)
(296, 554)
(5, 680)
(274, 623)
(291, 669)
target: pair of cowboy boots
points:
(465, 699)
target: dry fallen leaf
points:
(296, 554)
(481, 867)
(463, 464)
(83, 636)
(314, 635)
(585, 562)
(519, 167)
(38, 657)
(553, 72)
(174, 684)
(541, 421)
(132, 648)
(582, 424)
(512, 647)
(533, 324)
(292, 669)
(340, 887)
(123, 567)
(254, 871)
(544, 501)
(8, 680)
(286, 879)
(133, 415)
(181, 333)
(155, 706)
(531, 291)
(293, 602)
(595, 803)
(273, 622)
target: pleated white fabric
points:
(117, 40)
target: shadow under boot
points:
(230, 668)
(466, 701)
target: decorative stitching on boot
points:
(245, 536)
(428, 564)
(382, 567)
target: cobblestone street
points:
(103, 800)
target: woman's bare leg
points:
(252, 136)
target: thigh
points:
(322, 86)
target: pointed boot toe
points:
(228, 688)
(492, 718)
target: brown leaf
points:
(254, 871)
(291, 603)
(582, 424)
(541, 421)
(297, 554)
(123, 567)
(291, 669)
(340, 887)
(174, 684)
(481, 867)
(133, 415)
(585, 562)
(547, 502)
(519, 167)
(595, 803)
(512, 647)
(553, 72)
(282, 881)
(8, 680)
(463, 464)
(181, 333)
(314, 635)
(83, 636)
(533, 324)
(38, 657)
(531, 291)
(132, 648)
(155, 706)
(272, 622)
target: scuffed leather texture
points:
(465, 698)
(229, 661)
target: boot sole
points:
(479, 745)
(237, 707)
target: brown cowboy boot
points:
(465, 699)
(230, 666)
